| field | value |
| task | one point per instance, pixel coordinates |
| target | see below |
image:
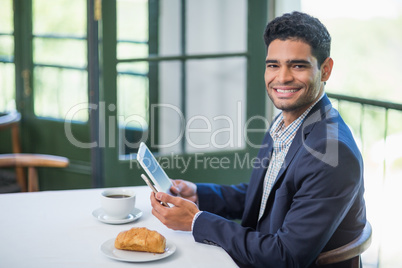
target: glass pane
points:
(132, 111)
(6, 17)
(132, 25)
(60, 93)
(6, 47)
(216, 104)
(60, 16)
(7, 69)
(132, 20)
(7, 87)
(60, 52)
(133, 101)
(130, 50)
(138, 68)
(223, 28)
(169, 109)
(169, 28)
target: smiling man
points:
(293, 77)
(307, 195)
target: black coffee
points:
(118, 196)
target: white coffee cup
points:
(118, 203)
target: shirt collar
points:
(285, 134)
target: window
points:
(60, 58)
(182, 86)
(186, 77)
(50, 64)
(182, 75)
(212, 95)
(132, 77)
(7, 69)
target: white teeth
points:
(286, 91)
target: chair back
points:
(32, 161)
(11, 121)
(350, 251)
(29, 161)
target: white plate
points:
(100, 215)
(110, 251)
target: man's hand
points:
(185, 189)
(179, 217)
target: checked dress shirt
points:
(282, 137)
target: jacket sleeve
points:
(323, 197)
(226, 201)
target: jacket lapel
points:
(316, 114)
(254, 192)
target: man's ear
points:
(326, 69)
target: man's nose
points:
(284, 75)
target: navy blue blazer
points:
(316, 203)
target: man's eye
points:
(272, 65)
(299, 66)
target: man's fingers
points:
(177, 187)
(178, 217)
(157, 208)
(163, 197)
(154, 202)
(175, 190)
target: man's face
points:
(292, 77)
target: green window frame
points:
(104, 164)
(41, 133)
(120, 170)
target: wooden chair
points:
(11, 121)
(21, 161)
(350, 251)
(32, 161)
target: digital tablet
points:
(145, 178)
(153, 169)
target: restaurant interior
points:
(84, 82)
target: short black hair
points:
(303, 27)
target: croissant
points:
(141, 239)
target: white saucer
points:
(110, 251)
(101, 216)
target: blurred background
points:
(91, 79)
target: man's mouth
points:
(286, 90)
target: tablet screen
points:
(155, 171)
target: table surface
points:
(57, 229)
